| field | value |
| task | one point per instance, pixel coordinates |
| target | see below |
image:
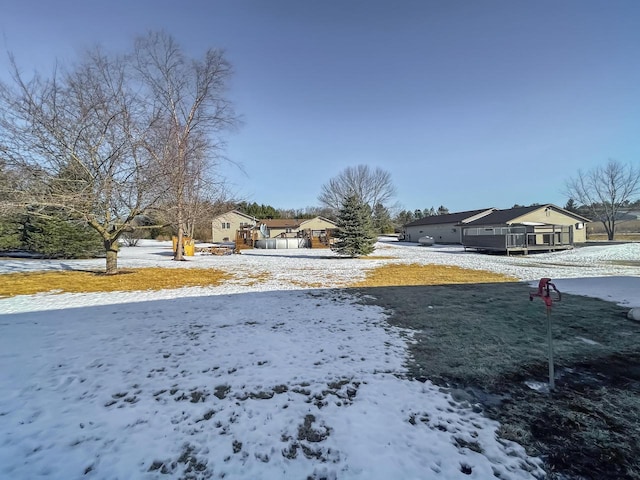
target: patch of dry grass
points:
(127, 280)
(415, 274)
(255, 279)
(618, 237)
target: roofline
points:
(472, 214)
(237, 212)
(526, 210)
(320, 217)
(566, 212)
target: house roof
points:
(501, 217)
(324, 219)
(447, 218)
(236, 212)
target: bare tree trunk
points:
(179, 255)
(610, 228)
(111, 247)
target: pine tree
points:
(404, 217)
(355, 235)
(55, 236)
(382, 219)
(10, 232)
(571, 206)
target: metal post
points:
(552, 382)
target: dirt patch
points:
(486, 344)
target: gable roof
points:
(501, 217)
(319, 217)
(235, 212)
(448, 218)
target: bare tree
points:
(606, 191)
(370, 186)
(188, 98)
(76, 137)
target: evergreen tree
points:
(382, 219)
(417, 214)
(258, 211)
(571, 206)
(10, 232)
(404, 217)
(355, 235)
(442, 210)
(56, 236)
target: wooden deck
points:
(549, 238)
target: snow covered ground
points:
(260, 378)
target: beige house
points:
(225, 226)
(524, 229)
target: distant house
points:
(524, 229)
(443, 228)
(293, 227)
(246, 231)
(225, 226)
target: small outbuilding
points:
(525, 229)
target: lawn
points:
(487, 345)
(247, 375)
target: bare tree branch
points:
(606, 191)
(191, 112)
(371, 187)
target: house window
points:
(226, 225)
(289, 230)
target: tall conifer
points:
(355, 235)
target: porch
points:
(518, 239)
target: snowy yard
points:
(253, 379)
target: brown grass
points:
(160, 278)
(127, 280)
(620, 237)
(255, 279)
(415, 274)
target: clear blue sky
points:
(468, 104)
